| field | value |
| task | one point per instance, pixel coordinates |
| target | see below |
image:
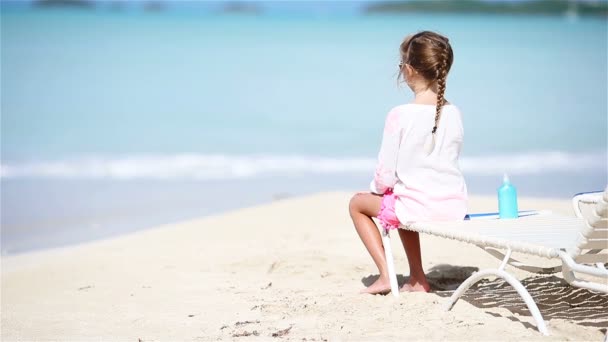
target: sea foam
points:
(218, 166)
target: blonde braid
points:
(442, 72)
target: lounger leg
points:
(567, 273)
(569, 266)
(390, 264)
(540, 323)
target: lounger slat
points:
(592, 258)
(595, 244)
(599, 223)
(598, 234)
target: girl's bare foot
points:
(416, 286)
(380, 286)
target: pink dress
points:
(419, 175)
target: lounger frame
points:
(593, 238)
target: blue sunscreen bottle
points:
(507, 200)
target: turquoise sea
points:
(115, 121)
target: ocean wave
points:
(210, 167)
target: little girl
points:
(417, 177)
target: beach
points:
(181, 170)
(289, 270)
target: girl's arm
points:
(386, 176)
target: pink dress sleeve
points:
(386, 175)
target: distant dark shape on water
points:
(533, 7)
(154, 6)
(117, 5)
(242, 7)
(84, 4)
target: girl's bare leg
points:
(411, 244)
(364, 206)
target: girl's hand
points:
(368, 193)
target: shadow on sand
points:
(440, 277)
(555, 298)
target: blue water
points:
(143, 102)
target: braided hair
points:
(442, 73)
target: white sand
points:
(295, 263)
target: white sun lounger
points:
(575, 241)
